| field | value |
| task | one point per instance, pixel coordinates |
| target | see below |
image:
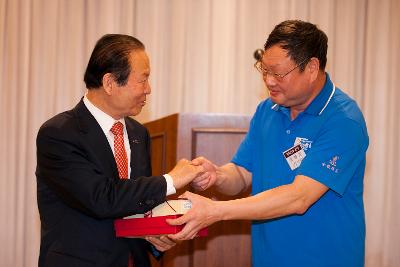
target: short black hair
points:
(302, 41)
(111, 55)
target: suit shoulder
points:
(134, 124)
(60, 122)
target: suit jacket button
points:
(149, 202)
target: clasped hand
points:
(200, 172)
(202, 182)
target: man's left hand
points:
(161, 243)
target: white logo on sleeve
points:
(331, 164)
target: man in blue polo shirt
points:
(304, 156)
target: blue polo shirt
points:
(332, 136)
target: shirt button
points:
(288, 131)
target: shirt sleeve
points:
(170, 184)
(245, 153)
(336, 154)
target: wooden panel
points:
(163, 152)
(163, 133)
(216, 144)
(190, 122)
(216, 137)
(158, 153)
(229, 242)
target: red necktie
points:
(119, 150)
(121, 159)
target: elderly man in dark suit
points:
(93, 165)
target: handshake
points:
(200, 173)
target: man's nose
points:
(148, 88)
(269, 80)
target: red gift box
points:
(154, 221)
(137, 227)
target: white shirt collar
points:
(103, 119)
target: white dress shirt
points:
(106, 122)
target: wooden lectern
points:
(216, 137)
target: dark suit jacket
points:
(80, 194)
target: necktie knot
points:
(117, 128)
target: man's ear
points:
(313, 68)
(108, 83)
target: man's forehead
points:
(275, 51)
(275, 55)
(139, 55)
(140, 61)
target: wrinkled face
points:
(129, 99)
(287, 85)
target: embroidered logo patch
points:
(304, 142)
(332, 164)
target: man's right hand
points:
(184, 172)
(202, 182)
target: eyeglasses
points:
(278, 76)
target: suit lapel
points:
(134, 143)
(94, 137)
